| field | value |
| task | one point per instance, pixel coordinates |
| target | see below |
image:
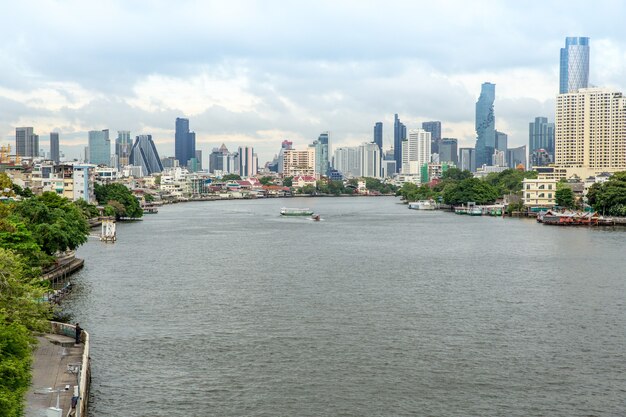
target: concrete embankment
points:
(61, 371)
(64, 269)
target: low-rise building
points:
(540, 192)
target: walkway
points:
(50, 370)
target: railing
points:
(85, 371)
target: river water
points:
(227, 309)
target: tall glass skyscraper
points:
(574, 65)
(184, 142)
(54, 147)
(399, 134)
(322, 164)
(485, 125)
(435, 134)
(145, 155)
(541, 141)
(123, 147)
(99, 147)
(378, 135)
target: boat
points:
(475, 211)
(423, 205)
(285, 211)
(316, 217)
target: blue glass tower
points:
(378, 135)
(99, 147)
(184, 142)
(399, 134)
(145, 155)
(574, 65)
(485, 125)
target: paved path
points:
(53, 354)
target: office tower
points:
(516, 156)
(502, 141)
(219, 160)
(378, 135)
(541, 141)
(169, 162)
(399, 134)
(467, 159)
(54, 147)
(345, 160)
(199, 160)
(184, 142)
(247, 161)
(485, 125)
(415, 151)
(145, 155)
(123, 146)
(99, 149)
(369, 160)
(322, 165)
(435, 134)
(448, 151)
(26, 142)
(299, 162)
(574, 65)
(590, 130)
(498, 159)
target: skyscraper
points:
(123, 147)
(448, 151)
(145, 155)
(516, 156)
(590, 130)
(502, 141)
(574, 65)
(26, 142)
(415, 151)
(378, 135)
(369, 158)
(199, 159)
(541, 136)
(54, 147)
(399, 134)
(322, 166)
(485, 125)
(219, 160)
(467, 159)
(99, 148)
(247, 161)
(184, 142)
(435, 134)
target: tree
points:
(90, 211)
(609, 197)
(564, 196)
(231, 177)
(287, 181)
(120, 193)
(266, 180)
(308, 189)
(15, 363)
(456, 174)
(470, 190)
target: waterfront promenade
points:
(58, 363)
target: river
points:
(227, 309)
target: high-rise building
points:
(322, 165)
(123, 146)
(299, 162)
(415, 151)
(448, 151)
(26, 142)
(541, 141)
(145, 155)
(516, 156)
(284, 146)
(399, 134)
(184, 142)
(247, 161)
(198, 160)
(499, 158)
(485, 125)
(369, 160)
(346, 161)
(435, 134)
(54, 147)
(99, 147)
(378, 135)
(502, 141)
(574, 65)
(467, 159)
(590, 130)
(219, 160)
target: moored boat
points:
(423, 205)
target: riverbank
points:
(61, 370)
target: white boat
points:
(285, 211)
(423, 205)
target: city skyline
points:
(243, 89)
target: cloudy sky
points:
(255, 73)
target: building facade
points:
(55, 154)
(99, 147)
(590, 131)
(485, 125)
(399, 134)
(539, 192)
(299, 162)
(415, 151)
(541, 141)
(346, 161)
(184, 142)
(369, 160)
(378, 135)
(123, 146)
(448, 150)
(322, 165)
(435, 134)
(467, 159)
(26, 142)
(145, 155)
(574, 65)
(516, 157)
(247, 161)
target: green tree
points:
(266, 180)
(287, 181)
(120, 193)
(308, 189)
(470, 190)
(15, 363)
(609, 197)
(231, 177)
(90, 211)
(336, 187)
(456, 174)
(564, 196)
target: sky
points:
(252, 73)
